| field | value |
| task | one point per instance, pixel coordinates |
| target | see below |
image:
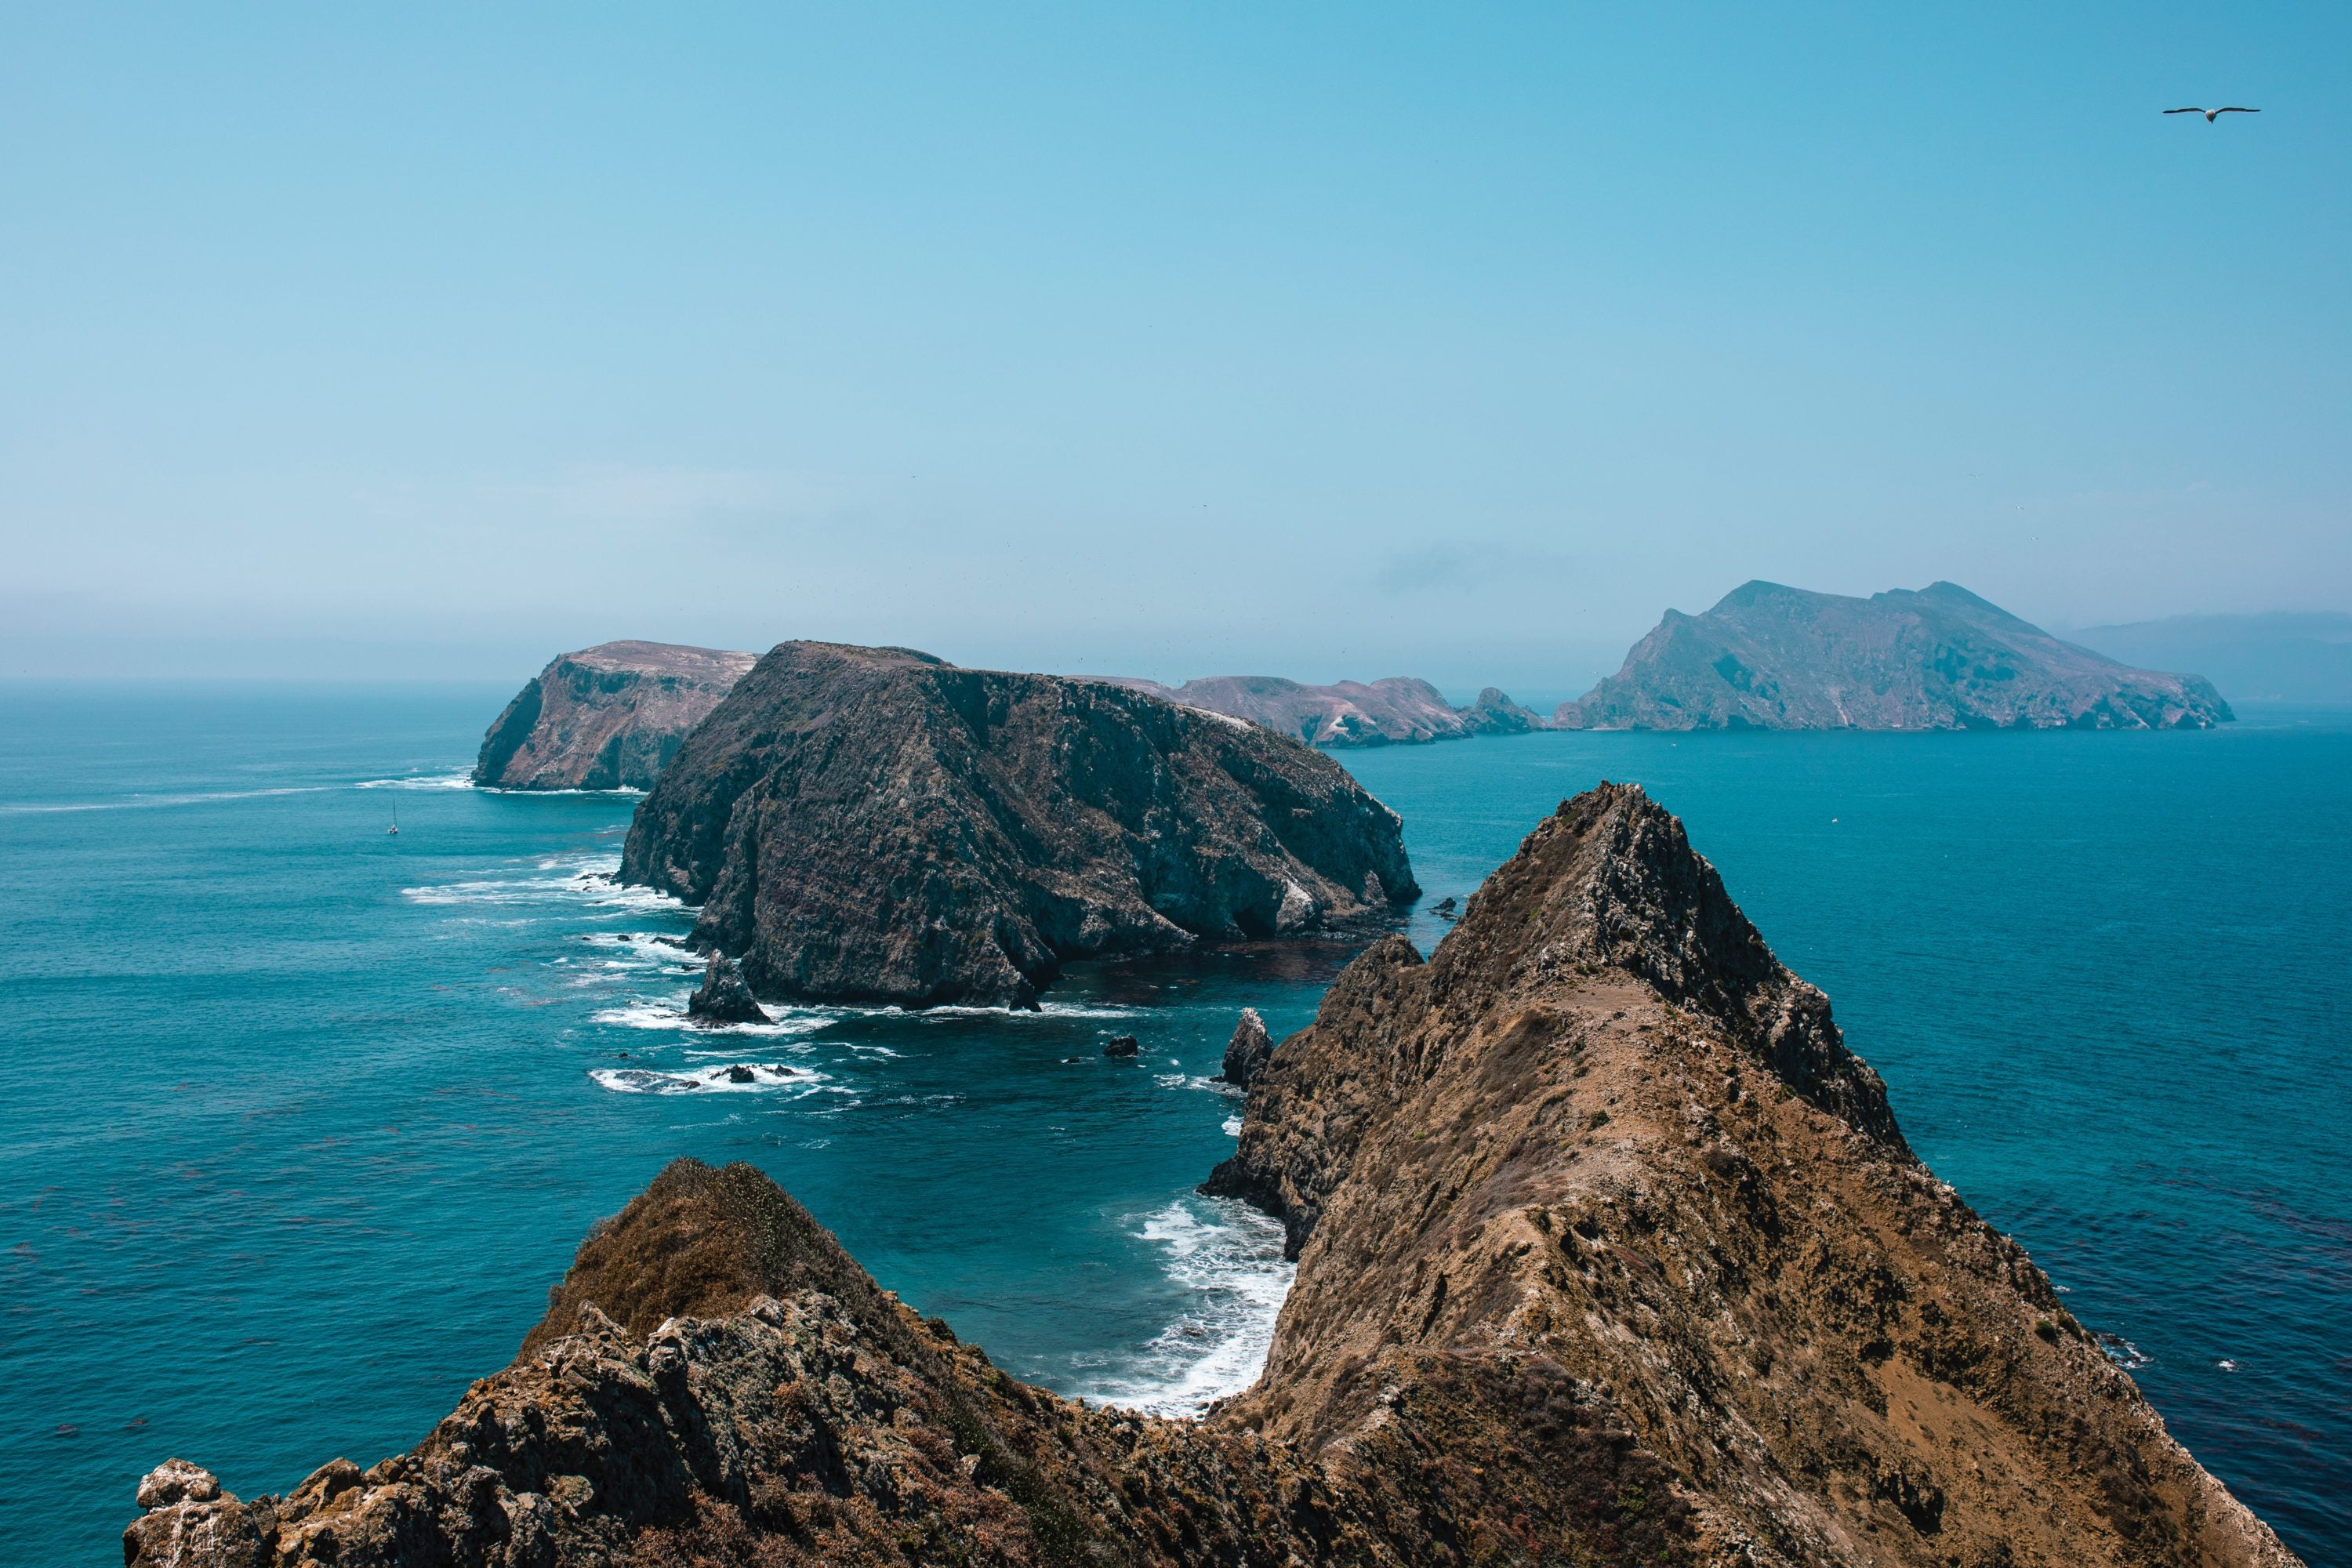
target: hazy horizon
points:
(1328, 343)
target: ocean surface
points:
(302, 1119)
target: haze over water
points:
(304, 1118)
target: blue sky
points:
(1325, 340)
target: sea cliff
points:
(1773, 658)
(1398, 711)
(608, 717)
(876, 825)
(1609, 1251)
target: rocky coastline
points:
(1609, 1251)
(877, 825)
(1399, 710)
(608, 717)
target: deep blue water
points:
(302, 1119)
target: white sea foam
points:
(1228, 1258)
(766, 1078)
(1231, 1127)
(460, 780)
(647, 1012)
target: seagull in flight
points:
(2209, 114)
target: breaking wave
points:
(1227, 1257)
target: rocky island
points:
(608, 717)
(1399, 710)
(1609, 1252)
(876, 825)
(1772, 658)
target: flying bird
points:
(2210, 113)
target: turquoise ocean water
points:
(301, 1118)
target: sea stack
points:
(608, 717)
(1772, 658)
(723, 997)
(1246, 1052)
(874, 825)
(1609, 1252)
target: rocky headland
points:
(1399, 710)
(874, 825)
(1609, 1252)
(608, 717)
(1772, 658)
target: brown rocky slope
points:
(1609, 1252)
(874, 825)
(608, 717)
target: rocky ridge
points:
(874, 825)
(608, 717)
(1773, 658)
(1399, 710)
(1609, 1251)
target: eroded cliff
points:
(1398, 711)
(876, 825)
(1609, 1251)
(608, 717)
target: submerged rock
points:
(871, 825)
(609, 717)
(1246, 1052)
(1773, 658)
(1609, 1252)
(1122, 1046)
(723, 997)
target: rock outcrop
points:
(1399, 710)
(1246, 1052)
(1772, 658)
(874, 824)
(723, 997)
(1610, 1252)
(608, 717)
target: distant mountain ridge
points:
(1770, 657)
(1398, 711)
(2279, 656)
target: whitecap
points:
(766, 1078)
(463, 779)
(1231, 1127)
(1227, 1257)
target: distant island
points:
(1774, 657)
(876, 825)
(608, 717)
(1399, 710)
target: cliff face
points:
(609, 717)
(874, 824)
(1941, 658)
(1610, 1252)
(1398, 711)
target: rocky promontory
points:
(1609, 1252)
(874, 825)
(608, 717)
(1399, 710)
(1772, 658)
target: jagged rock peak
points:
(1611, 880)
(723, 997)
(608, 717)
(873, 825)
